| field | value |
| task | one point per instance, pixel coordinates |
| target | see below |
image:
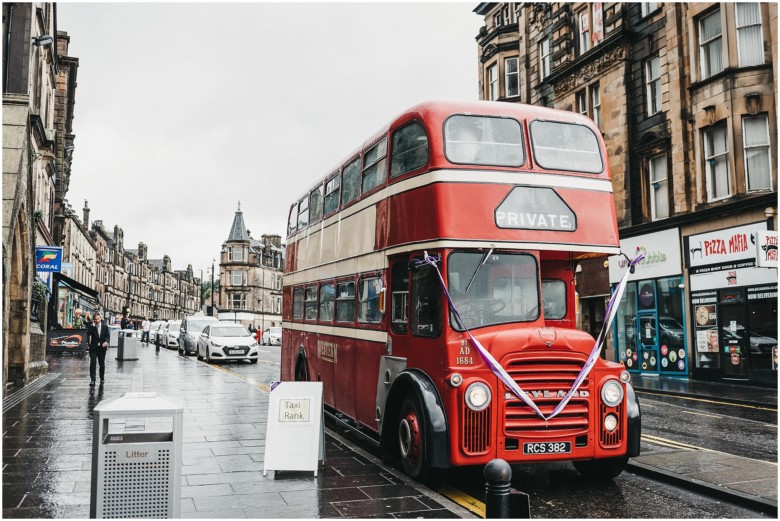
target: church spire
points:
(238, 230)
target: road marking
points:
(704, 414)
(685, 446)
(710, 401)
(469, 503)
(246, 379)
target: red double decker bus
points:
(429, 285)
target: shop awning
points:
(77, 286)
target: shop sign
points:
(724, 246)
(766, 249)
(48, 258)
(663, 257)
(732, 278)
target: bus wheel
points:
(601, 469)
(411, 444)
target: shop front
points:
(649, 329)
(733, 282)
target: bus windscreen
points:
(482, 140)
(566, 146)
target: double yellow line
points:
(760, 408)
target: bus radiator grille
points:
(610, 440)
(476, 430)
(546, 380)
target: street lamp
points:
(212, 285)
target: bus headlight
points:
(610, 422)
(612, 393)
(478, 396)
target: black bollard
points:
(498, 488)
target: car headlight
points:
(478, 396)
(612, 393)
(214, 344)
(253, 344)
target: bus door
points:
(733, 340)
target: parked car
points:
(170, 334)
(189, 332)
(272, 336)
(227, 341)
(153, 328)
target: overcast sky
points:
(185, 109)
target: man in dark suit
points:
(97, 340)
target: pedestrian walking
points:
(145, 327)
(124, 322)
(97, 340)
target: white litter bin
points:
(136, 457)
(127, 348)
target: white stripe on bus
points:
(465, 176)
(344, 332)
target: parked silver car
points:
(227, 341)
(189, 332)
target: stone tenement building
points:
(38, 85)
(251, 277)
(685, 97)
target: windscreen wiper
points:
(482, 263)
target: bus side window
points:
(332, 191)
(400, 304)
(410, 149)
(326, 302)
(315, 211)
(292, 224)
(310, 303)
(345, 302)
(374, 166)
(350, 182)
(298, 303)
(368, 311)
(426, 302)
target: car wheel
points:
(253, 361)
(208, 356)
(198, 353)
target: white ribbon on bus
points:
(501, 373)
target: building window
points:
(758, 169)
(238, 253)
(582, 103)
(544, 58)
(583, 28)
(716, 154)
(238, 301)
(595, 104)
(653, 75)
(238, 278)
(511, 77)
(710, 45)
(648, 7)
(659, 187)
(750, 41)
(493, 83)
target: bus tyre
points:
(601, 469)
(411, 444)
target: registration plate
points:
(235, 351)
(548, 447)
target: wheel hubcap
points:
(409, 437)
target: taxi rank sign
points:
(535, 208)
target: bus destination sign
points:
(535, 208)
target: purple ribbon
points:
(501, 373)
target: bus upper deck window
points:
(332, 191)
(374, 166)
(315, 211)
(410, 149)
(303, 213)
(483, 140)
(566, 146)
(292, 224)
(350, 182)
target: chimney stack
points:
(86, 215)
